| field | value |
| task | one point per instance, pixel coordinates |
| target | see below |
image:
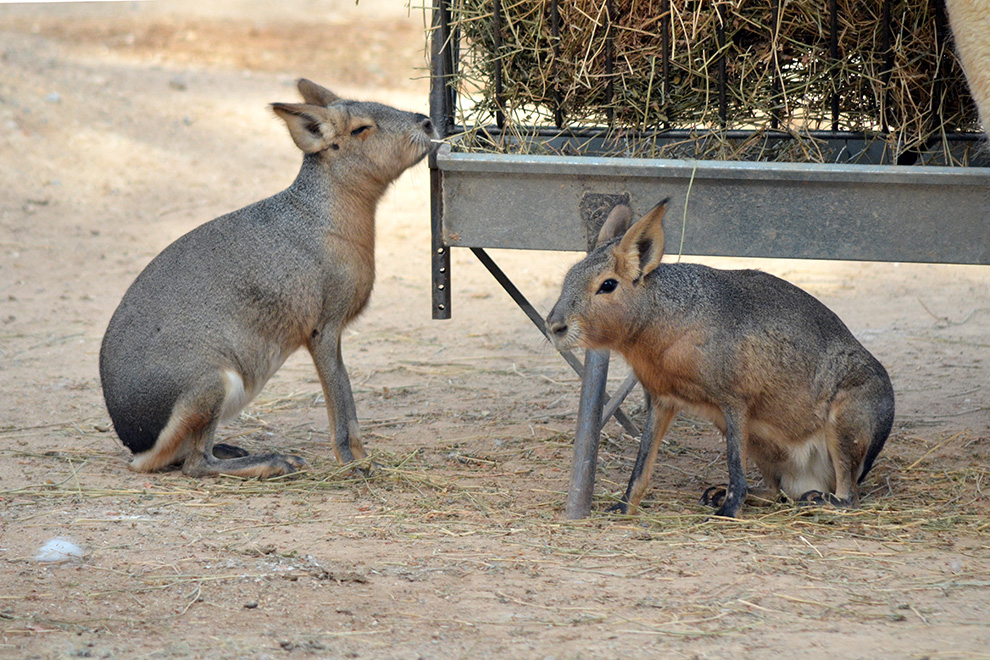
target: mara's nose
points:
(557, 329)
(427, 125)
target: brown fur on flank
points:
(211, 318)
(776, 371)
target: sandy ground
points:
(124, 125)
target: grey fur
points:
(213, 316)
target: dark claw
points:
(297, 462)
(714, 496)
(286, 464)
(813, 497)
(620, 508)
(365, 471)
(818, 498)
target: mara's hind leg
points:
(176, 441)
(347, 446)
(173, 443)
(769, 459)
(203, 459)
(188, 438)
(192, 411)
(735, 444)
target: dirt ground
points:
(124, 125)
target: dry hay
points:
(921, 490)
(904, 88)
(500, 510)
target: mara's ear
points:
(641, 248)
(615, 224)
(315, 94)
(313, 128)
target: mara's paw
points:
(295, 463)
(362, 469)
(261, 466)
(621, 508)
(714, 496)
(818, 498)
(278, 465)
(727, 511)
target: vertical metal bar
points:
(558, 113)
(453, 55)
(776, 84)
(440, 70)
(722, 82)
(887, 45)
(941, 41)
(833, 13)
(665, 56)
(440, 260)
(453, 61)
(609, 63)
(499, 96)
(441, 114)
(585, 462)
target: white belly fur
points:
(237, 396)
(809, 467)
(806, 466)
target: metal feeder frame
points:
(870, 210)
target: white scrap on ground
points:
(60, 548)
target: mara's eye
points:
(608, 286)
(360, 129)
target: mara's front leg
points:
(659, 419)
(848, 433)
(325, 349)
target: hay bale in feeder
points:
(638, 67)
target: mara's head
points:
(601, 293)
(365, 139)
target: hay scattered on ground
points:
(925, 495)
(916, 494)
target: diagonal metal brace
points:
(613, 403)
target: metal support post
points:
(589, 428)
